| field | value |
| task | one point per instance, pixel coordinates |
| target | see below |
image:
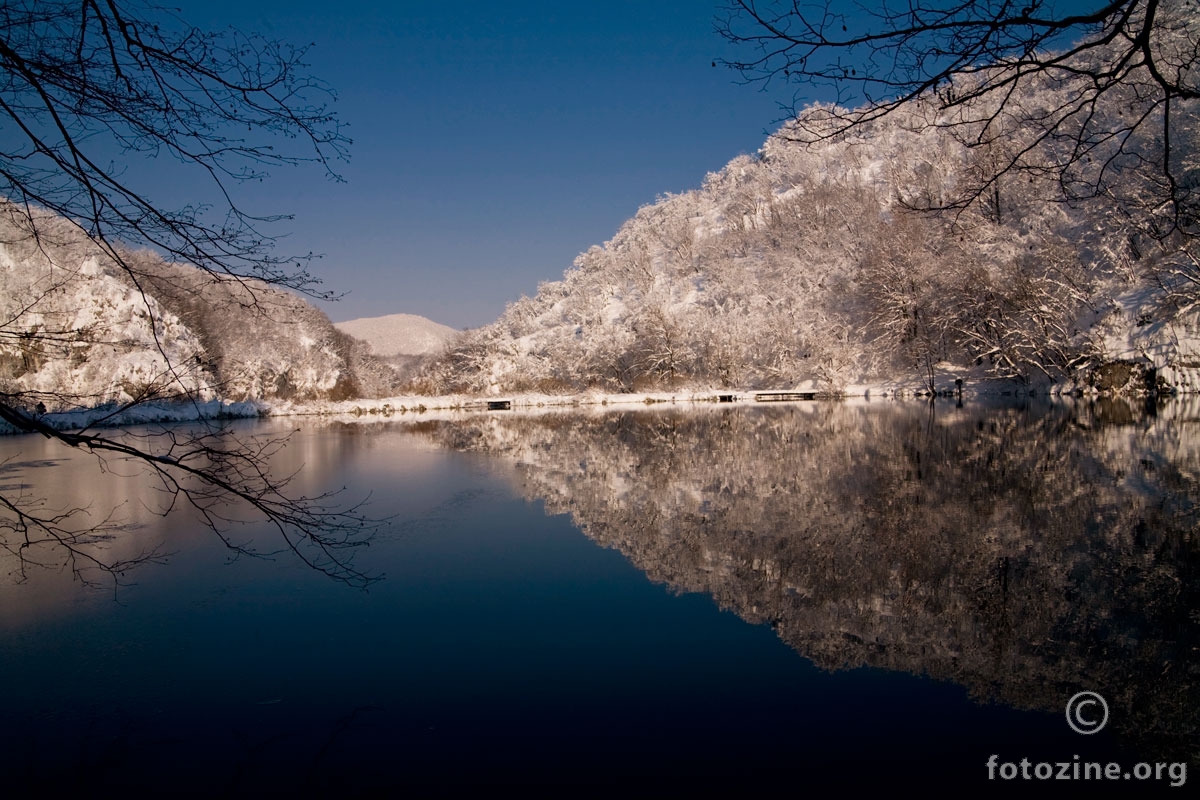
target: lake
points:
(866, 594)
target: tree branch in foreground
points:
(224, 478)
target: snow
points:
(1140, 327)
(103, 345)
(77, 332)
(449, 407)
(110, 415)
(399, 334)
(593, 402)
(797, 269)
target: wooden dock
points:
(779, 397)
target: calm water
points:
(879, 594)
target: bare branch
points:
(85, 86)
(1127, 73)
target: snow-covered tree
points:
(987, 218)
(82, 80)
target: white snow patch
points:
(399, 334)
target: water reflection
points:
(1026, 553)
(110, 515)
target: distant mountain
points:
(399, 334)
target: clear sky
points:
(494, 141)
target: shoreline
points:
(182, 411)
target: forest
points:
(86, 331)
(1043, 234)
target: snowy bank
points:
(113, 415)
(454, 406)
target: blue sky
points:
(494, 141)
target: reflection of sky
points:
(502, 642)
(117, 495)
(44, 476)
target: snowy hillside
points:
(399, 334)
(74, 334)
(77, 332)
(877, 257)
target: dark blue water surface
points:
(873, 596)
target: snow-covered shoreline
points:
(533, 402)
(449, 406)
(115, 415)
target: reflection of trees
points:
(1025, 553)
(69, 519)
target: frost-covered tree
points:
(85, 87)
(982, 211)
(1133, 67)
(1092, 104)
